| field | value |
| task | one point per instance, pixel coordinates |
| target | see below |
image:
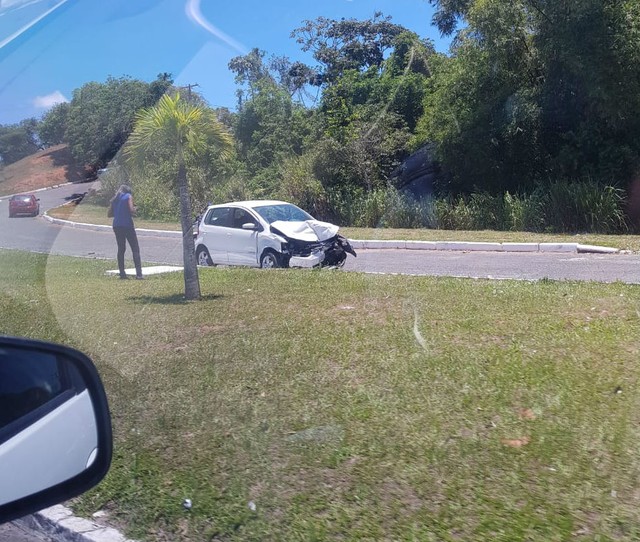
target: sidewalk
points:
(403, 245)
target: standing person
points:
(123, 211)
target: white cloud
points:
(45, 102)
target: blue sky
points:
(48, 48)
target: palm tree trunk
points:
(191, 280)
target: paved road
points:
(39, 235)
(10, 532)
(501, 265)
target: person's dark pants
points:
(122, 236)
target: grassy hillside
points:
(49, 167)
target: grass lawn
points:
(94, 214)
(320, 405)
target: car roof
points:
(251, 203)
(18, 196)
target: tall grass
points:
(555, 207)
(584, 207)
(560, 207)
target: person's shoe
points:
(123, 277)
(139, 277)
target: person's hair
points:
(124, 189)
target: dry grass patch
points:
(50, 167)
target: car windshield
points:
(283, 211)
(449, 350)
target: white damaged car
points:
(267, 233)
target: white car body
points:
(264, 233)
(67, 432)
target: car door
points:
(55, 427)
(242, 243)
(214, 232)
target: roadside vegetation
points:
(90, 213)
(321, 406)
(531, 122)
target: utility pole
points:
(189, 87)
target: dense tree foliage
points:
(101, 117)
(532, 92)
(536, 89)
(347, 44)
(371, 76)
(18, 141)
(54, 125)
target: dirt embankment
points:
(49, 167)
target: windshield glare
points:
(286, 212)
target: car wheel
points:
(203, 257)
(269, 260)
(341, 261)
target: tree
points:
(182, 130)
(101, 115)
(252, 73)
(536, 89)
(347, 44)
(18, 141)
(54, 125)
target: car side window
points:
(220, 216)
(240, 217)
(28, 382)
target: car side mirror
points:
(251, 226)
(55, 426)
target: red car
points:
(24, 204)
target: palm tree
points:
(185, 130)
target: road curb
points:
(58, 522)
(460, 246)
(464, 246)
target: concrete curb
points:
(462, 246)
(59, 522)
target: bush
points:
(583, 207)
(556, 207)
(234, 189)
(299, 186)
(381, 208)
(453, 214)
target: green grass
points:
(97, 215)
(352, 407)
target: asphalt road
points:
(11, 532)
(39, 235)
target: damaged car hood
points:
(307, 230)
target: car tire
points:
(269, 260)
(203, 257)
(340, 263)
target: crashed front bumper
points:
(313, 260)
